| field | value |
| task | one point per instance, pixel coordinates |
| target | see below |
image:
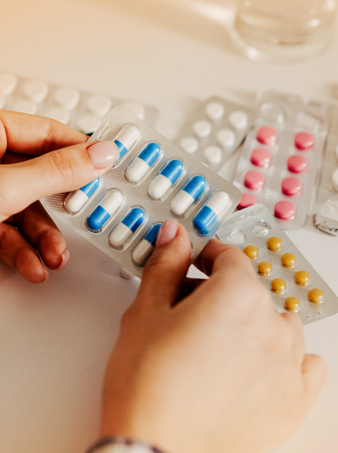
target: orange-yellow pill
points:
(274, 244)
(316, 296)
(278, 286)
(264, 268)
(302, 278)
(292, 304)
(288, 260)
(251, 251)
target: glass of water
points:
(283, 30)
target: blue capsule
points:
(76, 200)
(143, 162)
(165, 179)
(126, 138)
(188, 195)
(145, 248)
(108, 206)
(132, 221)
(211, 213)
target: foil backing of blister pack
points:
(82, 111)
(254, 226)
(137, 195)
(288, 115)
(326, 210)
(216, 126)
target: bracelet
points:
(121, 445)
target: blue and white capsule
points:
(212, 212)
(141, 165)
(75, 201)
(108, 207)
(188, 195)
(124, 230)
(126, 138)
(143, 251)
(165, 179)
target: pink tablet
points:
(254, 180)
(261, 157)
(304, 141)
(297, 164)
(285, 210)
(267, 135)
(247, 200)
(291, 186)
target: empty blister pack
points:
(326, 216)
(281, 157)
(215, 131)
(293, 283)
(80, 110)
(153, 181)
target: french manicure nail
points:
(103, 154)
(167, 232)
(65, 259)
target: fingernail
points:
(103, 154)
(167, 232)
(65, 258)
(46, 276)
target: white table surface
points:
(55, 338)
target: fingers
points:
(42, 233)
(35, 135)
(297, 334)
(314, 370)
(166, 270)
(55, 172)
(217, 256)
(18, 253)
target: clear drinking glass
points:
(283, 30)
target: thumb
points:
(165, 271)
(59, 171)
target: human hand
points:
(207, 365)
(36, 163)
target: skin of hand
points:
(41, 157)
(207, 365)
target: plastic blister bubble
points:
(137, 195)
(286, 265)
(80, 110)
(281, 156)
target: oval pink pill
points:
(246, 201)
(261, 157)
(304, 140)
(297, 164)
(267, 135)
(291, 186)
(285, 210)
(254, 180)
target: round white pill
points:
(68, 98)
(213, 154)
(334, 180)
(238, 119)
(189, 144)
(226, 138)
(88, 123)
(35, 90)
(214, 110)
(25, 106)
(202, 128)
(2, 100)
(99, 104)
(136, 108)
(58, 114)
(8, 83)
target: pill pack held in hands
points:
(281, 157)
(326, 217)
(80, 110)
(293, 283)
(153, 181)
(215, 131)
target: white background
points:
(55, 338)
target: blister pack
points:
(293, 283)
(281, 157)
(215, 131)
(326, 217)
(80, 110)
(153, 181)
